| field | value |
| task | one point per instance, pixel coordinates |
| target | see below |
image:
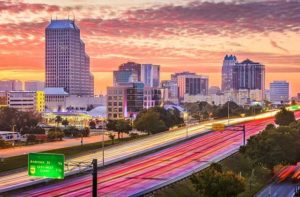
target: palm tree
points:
(65, 122)
(58, 119)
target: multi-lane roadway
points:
(18, 179)
(158, 169)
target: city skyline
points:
(191, 36)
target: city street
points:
(67, 142)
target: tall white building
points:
(67, 63)
(11, 85)
(34, 85)
(279, 92)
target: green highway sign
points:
(46, 165)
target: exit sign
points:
(46, 165)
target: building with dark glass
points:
(248, 75)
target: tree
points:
(149, 122)
(65, 122)
(58, 120)
(234, 110)
(213, 182)
(85, 132)
(274, 146)
(55, 133)
(92, 124)
(284, 117)
(112, 137)
(123, 126)
(111, 125)
(12, 119)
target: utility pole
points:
(228, 110)
(95, 182)
(244, 135)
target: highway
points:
(286, 189)
(19, 179)
(158, 169)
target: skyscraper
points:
(133, 67)
(227, 70)
(248, 75)
(150, 75)
(279, 91)
(67, 63)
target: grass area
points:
(20, 161)
(255, 179)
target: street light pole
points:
(95, 181)
(102, 143)
(228, 110)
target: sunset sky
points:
(178, 35)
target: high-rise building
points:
(133, 67)
(34, 85)
(227, 70)
(279, 92)
(192, 85)
(124, 76)
(11, 85)
(249, 75)
(67, 63)
(175, 75)
(150, 75)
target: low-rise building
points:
(279, 92)
(27, 100)
(169, 90)
(34, 85)
(3, 98)
(125, 100)
(11, 85)
(57, 100)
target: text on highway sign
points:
(46, 165)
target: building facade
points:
(67, 63)
(124, 76)
(192, 85)
(150, 75)
(279, 92)
(125, 100)
(34, 85)
(227, 72)
(152, 97)
(169, 91)
(3, 98)
(132, 66)
(11, 85)
(27, 100)
(249, 75)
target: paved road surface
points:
(157, 169)
(24, 150)
(285, 189)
